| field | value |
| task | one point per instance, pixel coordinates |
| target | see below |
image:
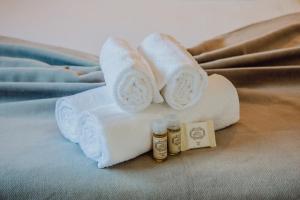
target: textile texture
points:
(257, 158)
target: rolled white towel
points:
(68, 110)
(128, 76)
(110, 135)
(177, 73)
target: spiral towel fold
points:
(110, 135)
(128, 76)
(183, 81)
(68, 110)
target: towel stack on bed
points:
(112, 123)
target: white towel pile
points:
(105, 121)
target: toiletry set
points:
(170, 139)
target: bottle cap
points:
(172, 121)
(159, 126)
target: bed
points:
(257, 158)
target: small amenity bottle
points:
(174, 134)
(160, 142)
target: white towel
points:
(183, 81)
(68, 110)
(110, 135)
(128, 76)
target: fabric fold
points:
(128, 76)
(17, 48)
(177, 73)
(272, 42)
(102, 136)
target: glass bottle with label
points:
(174, 134)
(160, 142)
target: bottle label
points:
(160, 147)
(197, 135)
(174, 141)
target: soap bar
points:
(197, 135)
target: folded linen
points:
(68, 110)
(109, 135)
(128, 76)
(183, 81)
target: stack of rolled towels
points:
(111, 124)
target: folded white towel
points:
(110, 135)
(68, 110)
(183, 81)
(128, 76)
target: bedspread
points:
(258, 158)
